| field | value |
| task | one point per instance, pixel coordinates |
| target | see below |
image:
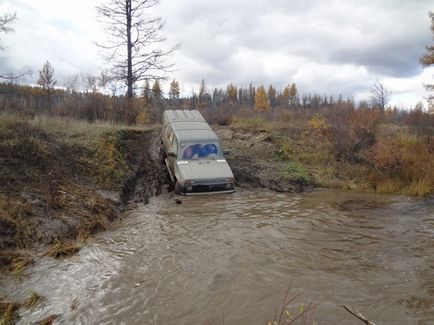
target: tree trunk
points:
(129, 52)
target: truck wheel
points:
(162, 155)
(178, 188)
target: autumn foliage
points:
(343, 144)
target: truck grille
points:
(209, 188)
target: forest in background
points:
(340, 144)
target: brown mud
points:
(51, 195)
(253, 160)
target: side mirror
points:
(171, 154)
(226, 152)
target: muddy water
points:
(228, 259)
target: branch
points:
(6, 20)
(353, 311)
(10, 76)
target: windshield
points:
(200, 150)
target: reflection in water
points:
(231, 257)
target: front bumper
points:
(211, 188)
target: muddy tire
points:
(162, 155)
(178, 188)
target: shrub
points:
(295, 171)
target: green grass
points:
(295, 171)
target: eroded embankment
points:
(253, 161)
(62, 181)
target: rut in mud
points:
(59, 188)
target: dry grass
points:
(293, 312)
(63, 249)
(47, 321)
(8, 312)
(15, 222)
(422, 187)
(19, 264)
(389, 186)
(50, 170)
(348, 149)
(250, 124)
(33, 300)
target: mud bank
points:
(62, 181)
(253, 161)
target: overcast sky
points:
(326, 47)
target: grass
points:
(291, 312)
(19, 265)
(295, 171)
(33, 300)
(390, 185)
(15, 216)
(47, 321)
(8, 312)
(398, 161)
(62, 249)
(93, 150)
(421, 187)
(76, 132)
(50, 168)
(250, 123)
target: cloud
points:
(44, 30)
(326, 47)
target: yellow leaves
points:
(318, 122)
(301, 308)
(142, 118)
(232, 93)
(261, 100)
(293, 90)
(110, 160)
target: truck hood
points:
(206, 169)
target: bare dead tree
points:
(380, 95)
(6, 22)
(72, 83)
(133, 39)
(427, 60)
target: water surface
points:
(230, 258)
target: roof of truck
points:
(180, 126)
(196, 135)
(189, 125)
(183, 116)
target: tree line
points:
(132, 83)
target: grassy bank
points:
(60, 181)
(361, 152)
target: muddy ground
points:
(253, 160)
(56, 195)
